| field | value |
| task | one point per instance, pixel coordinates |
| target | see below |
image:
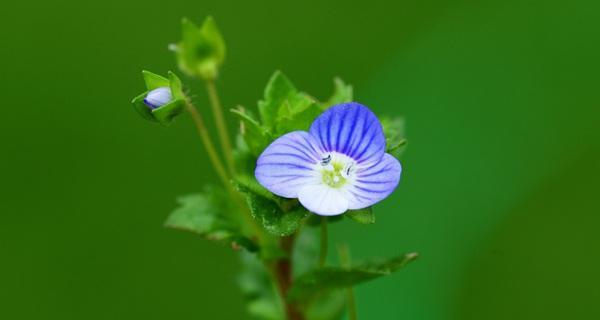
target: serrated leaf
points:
(316, 282)
(342, 92)
(278, 90)
(274, 216)
(364, 216)
(393, 129)
(210, 215)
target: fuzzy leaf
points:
(279, 217)
(364, 216)
(210, 215)
(342, 92)
(319, 281)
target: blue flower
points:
(158, 97)
(339, 165)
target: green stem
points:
(215, 104)
(324, 242)
(218, 165)
(208, 145)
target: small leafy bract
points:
(319, 281)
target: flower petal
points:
(323, 200)
(374, 184)
(288, 164)
(351, 129)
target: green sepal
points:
(201, 50)
(279, 216)
(393, 129)
(164, 114)
(210, 215)
(154, 81)
(167, 113)
(342, 93)
(364, 216)
(323, 280)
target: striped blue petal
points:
(351, 129)
(374, 183)
(288, 164)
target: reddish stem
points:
(283, 271)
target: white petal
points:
(323, 200)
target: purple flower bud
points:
(158, 97)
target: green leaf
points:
(260, 294)
(201, 50)
(298, 113)
(364, 216)
(210, 215)
(393, 128)
(278, 216)
(256, 137)
(342, 92)
(319, 281)
(278, 90)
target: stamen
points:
(325, 161)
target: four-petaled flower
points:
(339, 165)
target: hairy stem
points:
(218, 165)
(284, 278)
(208, 145)
(324, 242)
(215, 104)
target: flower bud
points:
(158, 97)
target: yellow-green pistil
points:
(335, 174)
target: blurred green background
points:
(501, 177)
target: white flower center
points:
(336, 169)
